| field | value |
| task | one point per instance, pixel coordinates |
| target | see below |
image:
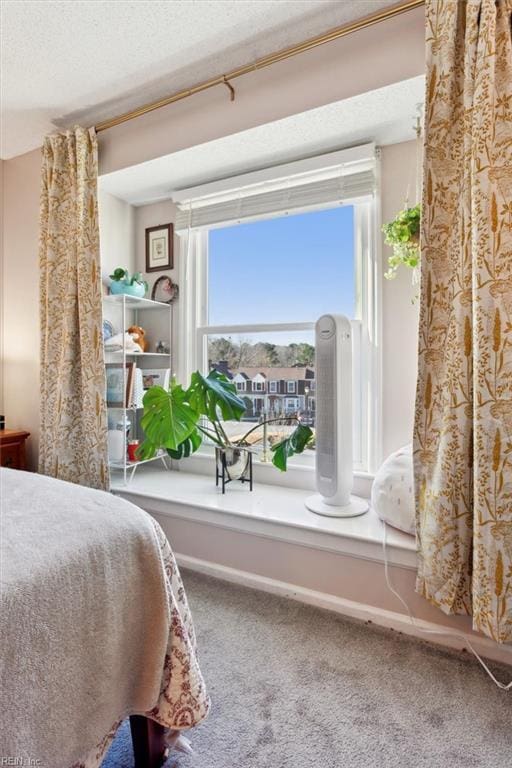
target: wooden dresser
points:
(12, 448)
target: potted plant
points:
(123, 283)
(403, 235)
(178, 419)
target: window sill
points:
(269, 511)
(300, 474)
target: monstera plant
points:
(178, 420)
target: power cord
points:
(444, 632)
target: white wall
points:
(385, 53)
(20, 296)
(399, 311)
(2, 283)
(152, 216)
(117, 234)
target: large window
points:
(281, 270)
(285, 270)
(255, 287)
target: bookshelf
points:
(128, 373)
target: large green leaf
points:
(188, 446)
(295, 443)
(213, 394)
(168, 419)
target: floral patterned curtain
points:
(463, 426)
(73, 442)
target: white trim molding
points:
(193, 260)
(399, 622)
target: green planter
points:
(123, 286)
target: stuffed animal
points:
(122, 341)
(138, 334)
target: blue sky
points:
(290, 269)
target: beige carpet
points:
(296, 687)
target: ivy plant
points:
(403, 235)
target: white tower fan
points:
(333, 420)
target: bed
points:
(95, 627)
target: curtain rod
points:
(266, 61)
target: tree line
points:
(242, 353)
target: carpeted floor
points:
(296, 687)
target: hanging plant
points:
(403, 235)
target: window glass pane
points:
(262, 367)
(286, 269)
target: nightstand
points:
(12, 448)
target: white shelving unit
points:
(156, 318)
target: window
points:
(257, 276)
(288, 269)
(276, 352)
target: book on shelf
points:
(119, 384)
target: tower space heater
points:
(334, 476)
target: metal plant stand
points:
(224, 476)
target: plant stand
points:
(223, 474)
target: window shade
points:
(291, 195)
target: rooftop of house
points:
(291, 373)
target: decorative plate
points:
(164, 290)
(108, 330)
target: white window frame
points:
(272, 387)
(366, 326)
(291, 387)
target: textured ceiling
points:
(385, 116)
(85, 60)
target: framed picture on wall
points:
(159, 248)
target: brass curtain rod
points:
(266, 61)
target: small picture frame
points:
(159, 248)
(117, 382)
(156, 377)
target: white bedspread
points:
(89, 623)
